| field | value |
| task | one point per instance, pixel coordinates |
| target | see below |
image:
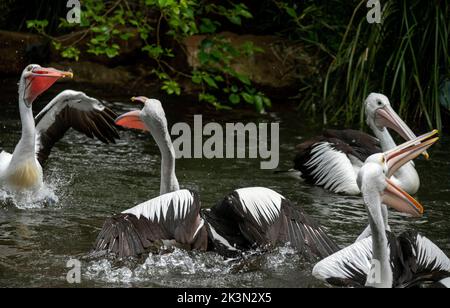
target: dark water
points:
(93, 181)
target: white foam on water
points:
(177, 263)
(283, 257)
(44, 197)
(182, 268)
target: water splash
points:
(29, 200)
(182, 268)
(282, 257)
(177, 263)
(44, 197)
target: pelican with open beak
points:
(22, 170)
(383, 259)
(333, 159)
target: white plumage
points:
(71, 98)
(356, 260)
(22, 171)
(181, 200)
(5, 159)
(445, 282)
(429, 254)
(332, 169)
(356, 257)
(261, 203)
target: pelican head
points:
(380, 115)
(36, 79)
(373, 177)
(151, 118)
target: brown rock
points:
(96, 73)
(283, 64)
(17, 50)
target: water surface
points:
(93, 181)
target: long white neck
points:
(27, 143)
(368, 231)
(169, 181)
(406, 177)
(386, 140)
(380, 274)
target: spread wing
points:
(71, 109)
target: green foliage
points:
(37, 25)
(406, 56)
(216, 71)
(105, 25)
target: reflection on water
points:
(93, 181)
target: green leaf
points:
(171, 87)
(111, 52)
(126, 36)
(210, 81)
(259, 103)
(248, 98)
(242, 78)
(206, 44)
(153, 51)
(38, 25)
(291, 12)
(235, 20)
(71, 53)
(208, 26)
(203, 57)
(165, 3)
(219, 78)
(206, 97)
(250, 49)
(161, 75)
(267, 102)
(235, 99)
(56, 45)
(197, 77)
(143, 35)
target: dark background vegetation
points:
(335, 56)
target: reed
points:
(406, 57)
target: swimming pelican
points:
(22, 170)
(385, 260)
(246, 218)
(333, 160)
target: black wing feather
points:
(127, 235)
(350, 142)
(59, 116)
(291, 225)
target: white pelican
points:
(22, 170)
(333, 160)
(385, 260)
(246, 218)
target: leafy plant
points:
(103, 26)
(406, 56)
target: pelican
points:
(246, 218)
(333, 160)
(21, 171)
(385, 260)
